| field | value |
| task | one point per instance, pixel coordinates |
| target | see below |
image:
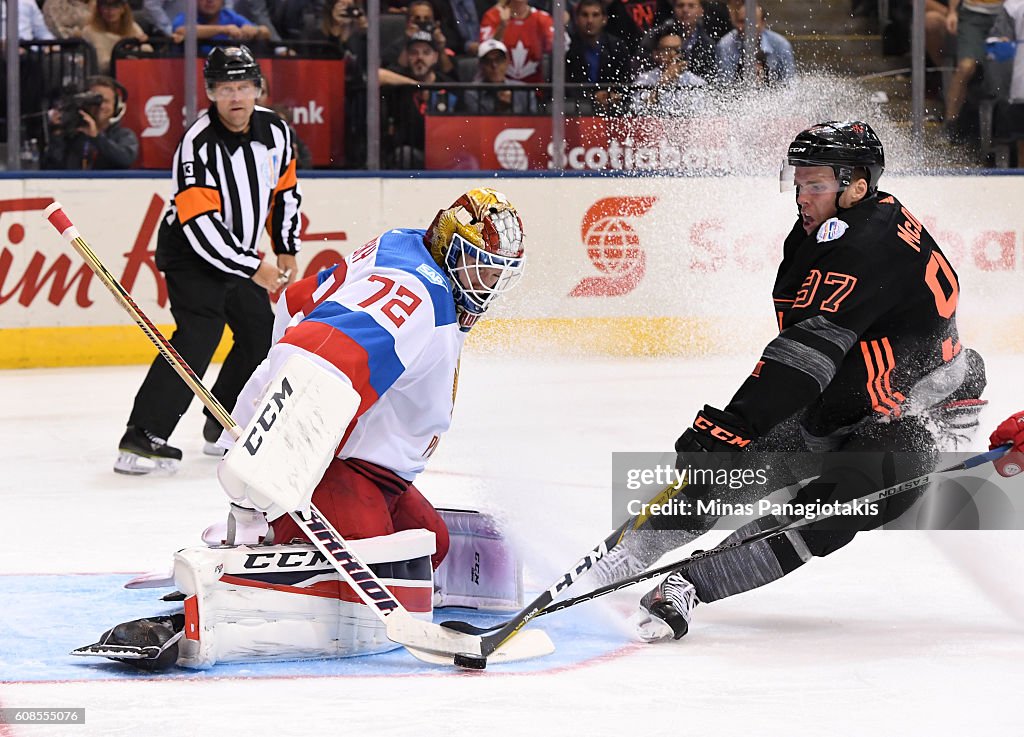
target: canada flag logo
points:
(613, 246)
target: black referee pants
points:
(203, 300)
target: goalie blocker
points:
(254, 603)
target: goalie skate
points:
(148, 644)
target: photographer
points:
(84, 131)
(343, 25)
(419, 18)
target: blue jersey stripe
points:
(384, 365)
(403, 250)
(323, 274)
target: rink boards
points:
(617, 266)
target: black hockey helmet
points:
(844, 146)
(231, 64)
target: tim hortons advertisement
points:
(308, 93)
(705, 145)
(627, 265)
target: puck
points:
(472, 662)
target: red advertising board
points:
(311, 91)
(701, 145)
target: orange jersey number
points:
(844, 284)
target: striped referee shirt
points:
(229, 186)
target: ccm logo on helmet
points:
(268, 415)
(716, 431)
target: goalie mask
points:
(479, 242)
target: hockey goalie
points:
(354, 396)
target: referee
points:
(234, 174)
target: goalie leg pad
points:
(286, 602)
(481, 571)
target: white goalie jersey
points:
(385, 321)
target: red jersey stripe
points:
(344, 353)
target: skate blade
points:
(118, 652)
(132, 464)
(127, 653)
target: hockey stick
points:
(508, 629)
(424, 640)
(916, 483)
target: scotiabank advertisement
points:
(684, 145)
(615, 265)
(308, 93)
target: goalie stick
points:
(426, 641)
(507, 630)
(916, 483)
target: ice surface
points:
(898, 633)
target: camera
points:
(71, 107)
(351, 13)
(425, 25)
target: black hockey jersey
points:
(866, 307)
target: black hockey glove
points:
(714, 431)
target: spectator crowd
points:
(975, 58)
(479, 57)
(646, 57)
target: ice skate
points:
(142, 452)
(617, 564)
(665, 610)
(148, 644)
(211, 433)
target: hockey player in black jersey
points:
(867, 358)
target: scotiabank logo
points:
(309, 114)
(509, 149)
(157, 119)
(613, 246)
